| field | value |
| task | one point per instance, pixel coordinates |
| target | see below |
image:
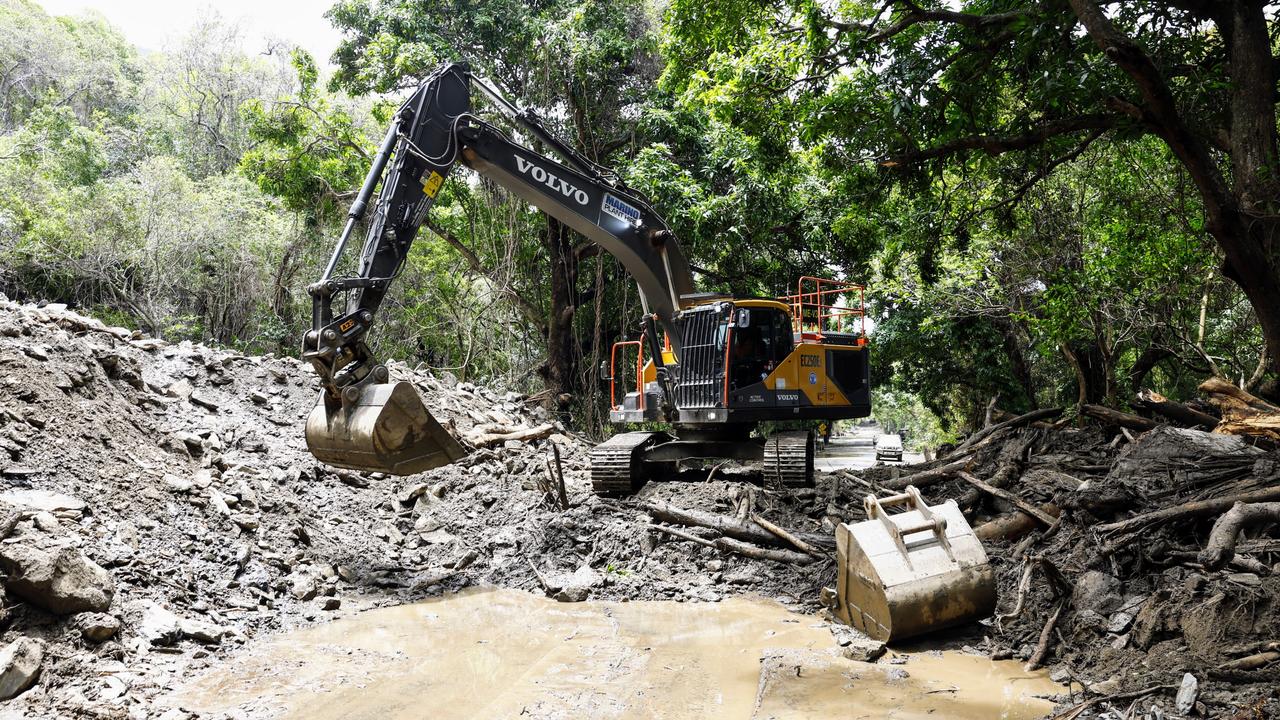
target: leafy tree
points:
(1010, 92)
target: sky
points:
(151, 25)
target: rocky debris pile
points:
(159, 509)
(1114, 564)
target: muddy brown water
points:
(495, 653)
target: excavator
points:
(711, 371)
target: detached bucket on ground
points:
(387, 429)
(911, 573)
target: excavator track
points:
(788, 459)
(616, 465)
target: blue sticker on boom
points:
(619, 209)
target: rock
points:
(66, 507)
(59, 579)
(201, 631)
(303, 587)
(1188, 691)
(193, 442)
(1106, 687)
(97, 627)
(157, 625)
(330, 603)
(180, 389)
(258, 397)
(1096, 591)
(177, 484)
(856, 646)
(204, 401)
(577, 587)
(37, 352)
(19, 666)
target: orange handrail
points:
(821, 304)
(613, 364)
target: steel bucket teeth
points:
(387, 430)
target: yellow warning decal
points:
(432, 184)
(346, 325)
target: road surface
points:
(853, 450)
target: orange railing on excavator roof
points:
(821, 306)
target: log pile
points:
(1132, 550)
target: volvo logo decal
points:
(540, 174)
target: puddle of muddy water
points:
(497, 653)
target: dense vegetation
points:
(1048, 201)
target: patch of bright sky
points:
(155, 24)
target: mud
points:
(504, 653)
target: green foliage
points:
(196, 192)
(921, 428)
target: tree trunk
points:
(561, 368)
(1240, 213)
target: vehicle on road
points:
(889, 447)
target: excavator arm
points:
(362, 421)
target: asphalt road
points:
(854, 450)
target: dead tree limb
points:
(1221, 547)
(1013, 525)
(1036, 661)
(563, 494)
(487, 435)
(1115, 417)
(1008, 497)
(786, 535)
(1199, 508)
(725, 525)
(1019, 421)
(926, 478)
(742, 548)
(1153, 401)
(780, 556)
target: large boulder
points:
(19, 666)
(56, 578)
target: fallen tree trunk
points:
(1115, 417)
(1242, 413)
(1199, 508)
(788, 536)
(487, 435)
(1221, 547)
(1153, 401)
(1013, 525)
(1008, 497)
(926, 478)
(725, 525)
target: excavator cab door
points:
(383, 428)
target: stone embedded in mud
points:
(1188, 691)
(56, 578)
(1096, 591)
(97, 627)
(157, 625)
(66, 507)
(576, 587)
(19, 666)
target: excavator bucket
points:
(387, 429)
(913, 572)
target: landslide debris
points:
(159, 509)
(1113, 594)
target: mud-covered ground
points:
(173, 483)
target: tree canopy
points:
(1052, 202)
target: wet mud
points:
(505, 653)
